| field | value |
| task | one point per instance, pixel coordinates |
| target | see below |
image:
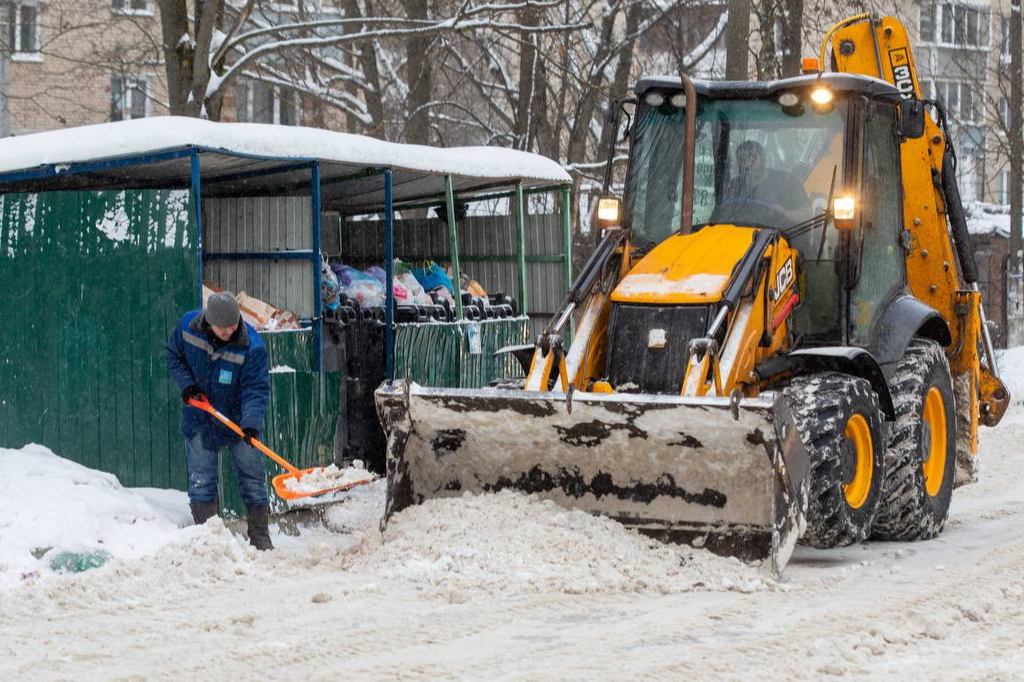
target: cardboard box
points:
(255, 311)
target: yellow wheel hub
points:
(935, 417)
(858, 431)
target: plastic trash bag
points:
(348, 275)
(77, 562)
(417, 296)
(400, 288)
(367, 293)
(377, 272)
(432, 276)
(400, 267)
(329, 286)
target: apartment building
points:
(963, 56)
(74, 62)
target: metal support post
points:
(567, 246)
(453, 244)
(198, 204)
(318, 299)
(389, 276)
(521, 234)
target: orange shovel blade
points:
(285, 494)
(278, 481)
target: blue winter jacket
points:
(235, 377)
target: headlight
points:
(608, 210)
(844, 210)
(822, 96)
(789, 99)
(654, 99)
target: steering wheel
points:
(736, 205)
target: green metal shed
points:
(107, 233)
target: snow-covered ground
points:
(493, 588)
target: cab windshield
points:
(758, 164)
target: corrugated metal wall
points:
(261, 224)
(487, 253)
(91, 283)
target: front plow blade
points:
(726, 475)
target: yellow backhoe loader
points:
(779, 334)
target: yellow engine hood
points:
(691, 268)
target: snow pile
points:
(50, 505)
(196, 559)
(202, 554)
(511, 543)
(323, 478)
(360, 508)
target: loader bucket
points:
(728, 475)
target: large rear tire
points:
(840, 425)
(921, 453)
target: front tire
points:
(921, 453)
(840, 425)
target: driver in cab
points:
(761, 195)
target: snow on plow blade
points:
(726, 475)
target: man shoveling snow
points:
(214, 354)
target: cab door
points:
(876, 249)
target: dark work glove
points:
(192, 391)
(248, 434)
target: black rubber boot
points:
(259, 533)
(203, 511)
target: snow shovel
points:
(280, 481)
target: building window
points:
(257, 102)
(955, 24)
(959, 100)
(1004, 187)
(1004, 112)
(24, 29)
(129, 98)
(131, 6)
(927, 24)
(1004, 39)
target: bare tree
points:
(738, 40)
(792, 33)
(1015, 316)
(205, 52)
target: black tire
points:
(908, 510)
(823, 406)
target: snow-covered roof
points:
(241, 147)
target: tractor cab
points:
(816, 158)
